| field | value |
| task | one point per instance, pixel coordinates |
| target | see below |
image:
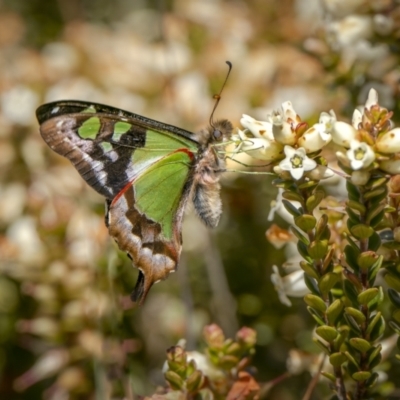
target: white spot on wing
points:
(54, 110)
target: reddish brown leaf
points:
(245, 388)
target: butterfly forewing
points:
(144, 169)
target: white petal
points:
(372, 98)
(297, 173)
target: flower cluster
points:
(287, 142)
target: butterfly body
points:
(146, 170)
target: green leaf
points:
(353, 324)
(312, 285)
(350, 292)
(375, 183)
(393, 281)
(395, 327)
(329, 376)
(314, 200)
(354, 218)
(353, 192)
(375, 215)
(373, 321)
(352, 255)
(378, 329)
(309, 269)
(361, 376)
(334, 311)
(355, 205)
(358, 316)
(327, 333)
(175, 381)
(360, 344)
(317, 317)
(292, 196)
(299, 235)
(302, 248)
(374, 242)
(366, 259)
(377, 193)
(362, 231)
(305, 222)
(315, 302)
(337, 359)
(372, 380)
(351, 359)
(374, 356)
(394, 297)
(322, 224)
(318, 249)
(367, 295)
(291, 209)
(327, 282)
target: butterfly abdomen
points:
(206, 189)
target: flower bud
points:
(343, 133)
(389, 142)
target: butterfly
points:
(147, 171)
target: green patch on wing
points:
(90, 128)
(90, 109)
(106, 146)
(160, 143)
(158, 190)
(120, 128)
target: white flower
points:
(350, 29)
(389, 142)
(315, 138)
(260, 148)
(343, 133)
(259, 129)
(360, 155)
(284, 124)
(296, 162)
(292, 285)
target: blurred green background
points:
(65, 316)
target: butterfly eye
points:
(217, 135)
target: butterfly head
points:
(217, 133)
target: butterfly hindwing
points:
(144, 169)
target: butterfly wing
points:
(144, 169)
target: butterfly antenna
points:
(217, 97)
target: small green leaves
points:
(362, 231)
(361, 375)
(290, 208)
(368, 295)
(313, 201)
(394, 297)
(337, 359)
(327, 282)
(315, 302)
(393, 281)
(367, 259)
(358, 316)
(359, 344)
(318, 249)
(334, 311)
(305, 222)
(327, 333)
